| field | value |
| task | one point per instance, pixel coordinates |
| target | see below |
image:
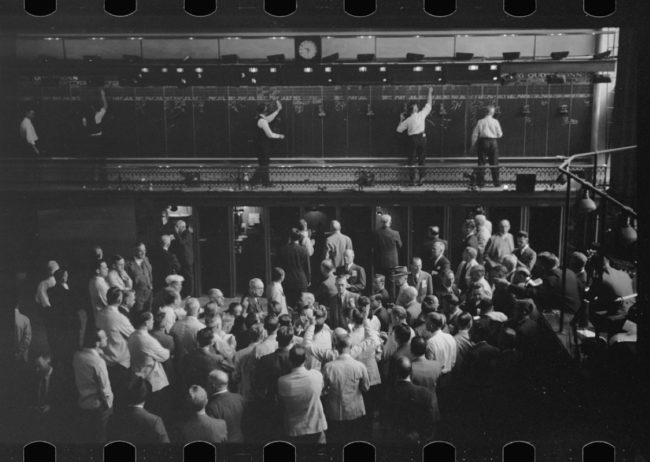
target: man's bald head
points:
(403, 368)
(218, 380)
(335, 225)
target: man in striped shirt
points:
(484, 137)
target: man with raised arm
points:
(264, 137)
(414, 124)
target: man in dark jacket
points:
(294, 259)
(414, 407)
(226, 405)
(386, 243)
(140, 271)
(163, 262)
(183, 247)
(133, 423)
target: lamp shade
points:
(586, 204)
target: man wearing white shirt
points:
(28, 133)
(414, 125)
(98, 286)
(263, 140)
(440, 346)
(485, 136)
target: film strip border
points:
(356, 8)
(439, 451)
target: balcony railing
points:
(164, 175)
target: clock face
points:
(307, 49)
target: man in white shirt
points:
(414, 125)
(28, 133)
(98, 286)
(299, 393)
(184, 330)
(118, 329)
(93, 385)
(484, 137)
(263, 138)
(440, 346)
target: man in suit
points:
(294, 260)
(163, 262)
(386, 243)
(327, 288)
(499, 245)
(345, 379)
(199, 426)
(412, 306)
(336, 244)
(420, 280)
(433, 236)
(183, 247)
(414, 407)
(469, 234)
(133, 423)
(255, 301)
(525, 255)
(356, 274)
(226, 405)
(462, 273)
(265, 386)
(426, 372)
(339, 303)
(197, 365)
(299, 393)
(440, 263)
(141, 273)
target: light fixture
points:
(463, 56)
(91, 58)
(494, 67)
(273, 70)
(180, 70)
(557, 55)
(164, 70)
(438, 68)
(586, 204)
(252, 70)
(473, 67)
(277, 58)
(382, 69)
(144, 70)
(308, 70)
(328, 69)
(602, 55)
(414, 57)
(366, 57)
(230, 59)
(510, 55)
(628, 233)
(363, 69)
(198, 70)
(418, 69)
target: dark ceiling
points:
(168, 16)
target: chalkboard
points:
(320, 122)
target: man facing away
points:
(264, 137)
(299, 393)
(415, 126)
(485, 135)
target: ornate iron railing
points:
(211, 175)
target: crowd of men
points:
(337, 360)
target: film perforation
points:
(200, 8)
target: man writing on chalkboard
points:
(414, 125)
(263, 139)
(92, 123)
(484, 140)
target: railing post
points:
(565, 245)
